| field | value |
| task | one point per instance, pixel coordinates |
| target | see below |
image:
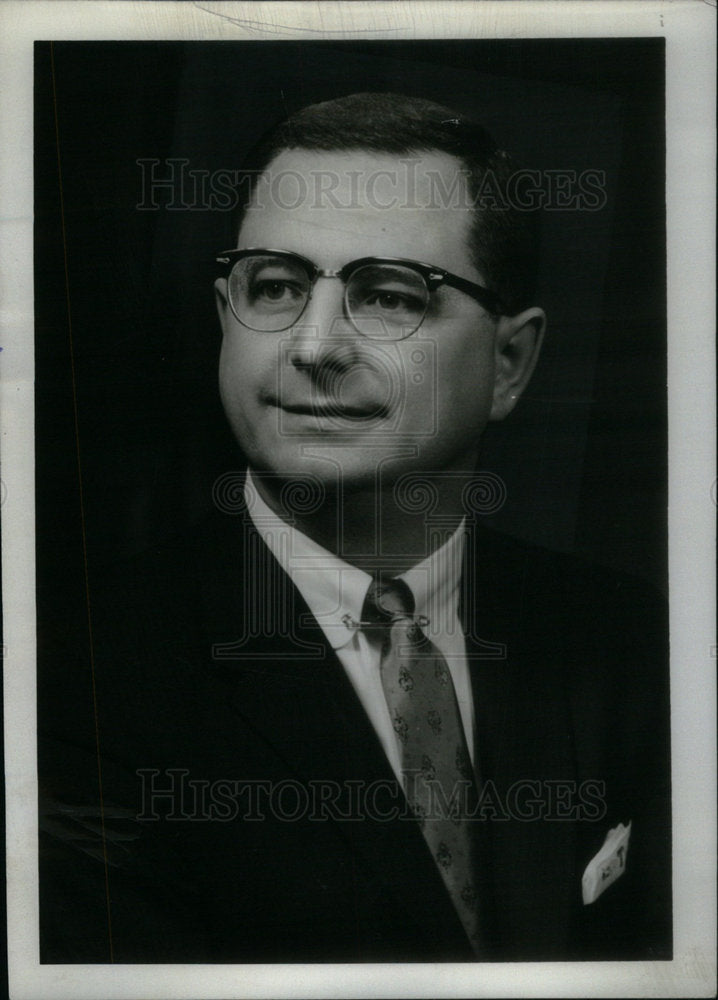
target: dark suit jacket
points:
(205, 676)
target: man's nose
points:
(324, 336)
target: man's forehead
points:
(354, 203)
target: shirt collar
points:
(335, 590)
(434, 582)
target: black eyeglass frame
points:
(433, 278)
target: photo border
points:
(688, 26)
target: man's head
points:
(376, 176)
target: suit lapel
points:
(523, 743)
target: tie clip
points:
(351, 623)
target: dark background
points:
(129, 430)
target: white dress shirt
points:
(335, 591)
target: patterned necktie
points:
(438, 777)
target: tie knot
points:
(388, 600)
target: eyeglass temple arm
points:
(484, 296)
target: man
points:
(342, 722)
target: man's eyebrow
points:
(386, 270)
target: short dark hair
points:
(503, 242)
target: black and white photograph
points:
(355, 586)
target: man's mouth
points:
(329, 408)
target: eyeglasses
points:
(385, 298)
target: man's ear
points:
(517, 346)
(220, 297)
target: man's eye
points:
(275, 291)
(391, 301)
(386, 300)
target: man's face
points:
(320, 398)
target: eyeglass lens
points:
(269, 293)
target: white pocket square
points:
(608, 865)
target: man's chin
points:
(331, 470)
